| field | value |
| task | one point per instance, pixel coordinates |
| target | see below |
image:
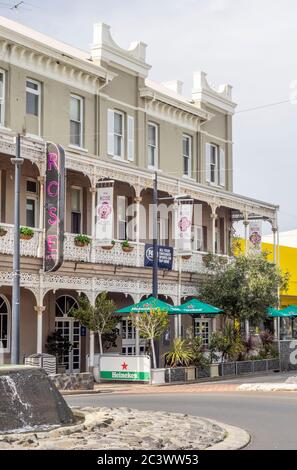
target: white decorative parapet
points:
(73, 252)
(28, 247)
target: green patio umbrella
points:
(291, 309)
(274, 313)
(195, 307)
(146, 305)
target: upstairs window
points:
(2, 98)
(31, 203)
(116, 133)
(33, 98)
(215, 165)
(121, 217)
(153, 156)
(76, 120)
(76, 210)
(187, 155)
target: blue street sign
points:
(165, 256)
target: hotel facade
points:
(115, 125)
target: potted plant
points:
(179, 359)
(126, 246)
(187, 256)
(82, 240)
(3, 232)
(59, 347)
(26, 233)
(109, 247)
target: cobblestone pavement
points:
(125, 428)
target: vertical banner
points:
(54, 207)
(184, 225)
(255, 235)
(104, 212)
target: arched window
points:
(64, 305)
(4, 324)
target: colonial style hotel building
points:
(114, 124)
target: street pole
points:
(15, 334)
(155, 237)
(155, 253)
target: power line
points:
(262, 106)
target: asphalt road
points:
(270, 418)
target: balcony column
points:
(214, 217)
(137, 336)
(39, 309)
(246, 226)
(93, 191)
(137, 202)
(92, 299)
(275, 243)
(41, 180)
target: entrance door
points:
(69, 328)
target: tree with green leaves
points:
(99, 318)
(151, 326)
(245, 287)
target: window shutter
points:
(131, 138)
(207, 162)
(222, 168)
(110, 132)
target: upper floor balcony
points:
(93, 252)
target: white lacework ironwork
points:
(28, 247)
(73, 252)
(40, 284)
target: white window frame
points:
(37, 93)
(130, 138)
(122, 136)
(80, 189)
(2, 99)
(4, 298)
(198, 236)
(127, 321)
(81, 120)
(156, 146)
(189, 157)
(216, 166)
(35, 197)
(125, 203)
(197, 332)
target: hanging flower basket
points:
(3, 232)
(82, 240)
(26, 233)
(108, 247)
(126, 247)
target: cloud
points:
(250, 44)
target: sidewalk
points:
(242, 384)
(154, 389)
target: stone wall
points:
(74, 381)
(285, 352)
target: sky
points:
(250, 44)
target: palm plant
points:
(180, 354)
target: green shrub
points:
(27, 231)
(82, 239)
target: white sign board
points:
(128, 368)
(255, 235)
(184, 226)
(104, 214)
